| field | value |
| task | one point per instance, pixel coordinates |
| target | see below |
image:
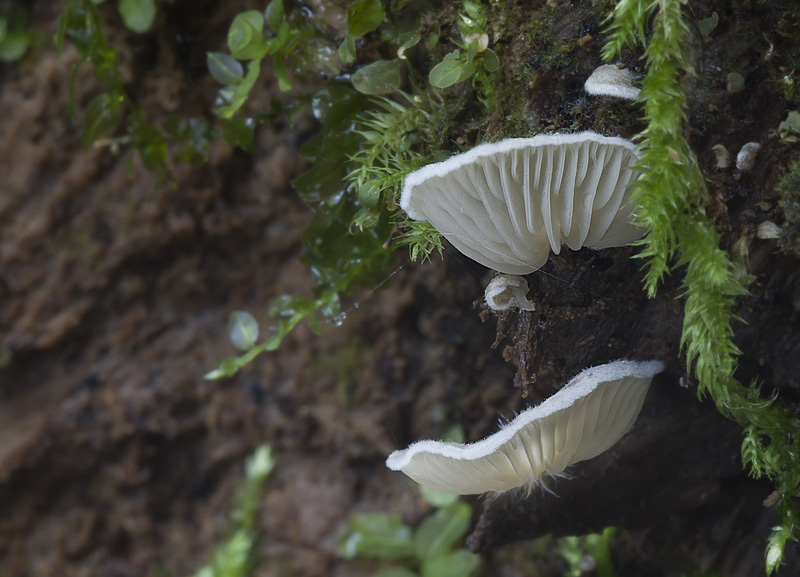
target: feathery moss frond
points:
(670, 194)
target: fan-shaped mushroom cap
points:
(611, 80)
(583, 419)
(507, 204)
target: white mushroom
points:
(747, 156)
(586, 417)
(722, 155)
(768, 230)
(611, 80)
(508, 291)
(508, 203)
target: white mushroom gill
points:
(583, 419)
(507, 204)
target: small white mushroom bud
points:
(610, 80)
(723, 156)
(508, 291)
(747, 156)
(767, 230)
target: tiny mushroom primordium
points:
(508, 204)
(582, 420)
(508, 291)
(611, 80)
(747, 156)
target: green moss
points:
(788, 190)
(670, 195)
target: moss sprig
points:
(670, 195)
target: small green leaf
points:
(14, 45)
(378, 535)
(775, 548)
(467, 71)
(490, 60)
(225, 69)
(274, 14)
(364, 16)
(409, 39)
(226, 368)
(439, 532)
(379, 78)
(446, 73)
(138, 15)
(242, 330)
(459, 563)
(475, 9)
(433, 37)
(369, 194)
(283, 37)
(238, 131)
(102, 114)
(472, 51)
(260, 464)
(238, 95)
(347, 49)
(707, 25)
(281, 73)
(245, 40)
(149, 141)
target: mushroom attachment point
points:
(508, 291)
(507, 204)
(611, 80)
(583, 419)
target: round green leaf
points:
(490, 60)
(446, 73)
(274, 14)
(364, 16)
(347, 49)
(707, 25)
(242, 330)
(245, 41)
(138, 15)
(379, 78)
(225, 69)
(14, 45)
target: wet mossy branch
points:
(670, 195)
